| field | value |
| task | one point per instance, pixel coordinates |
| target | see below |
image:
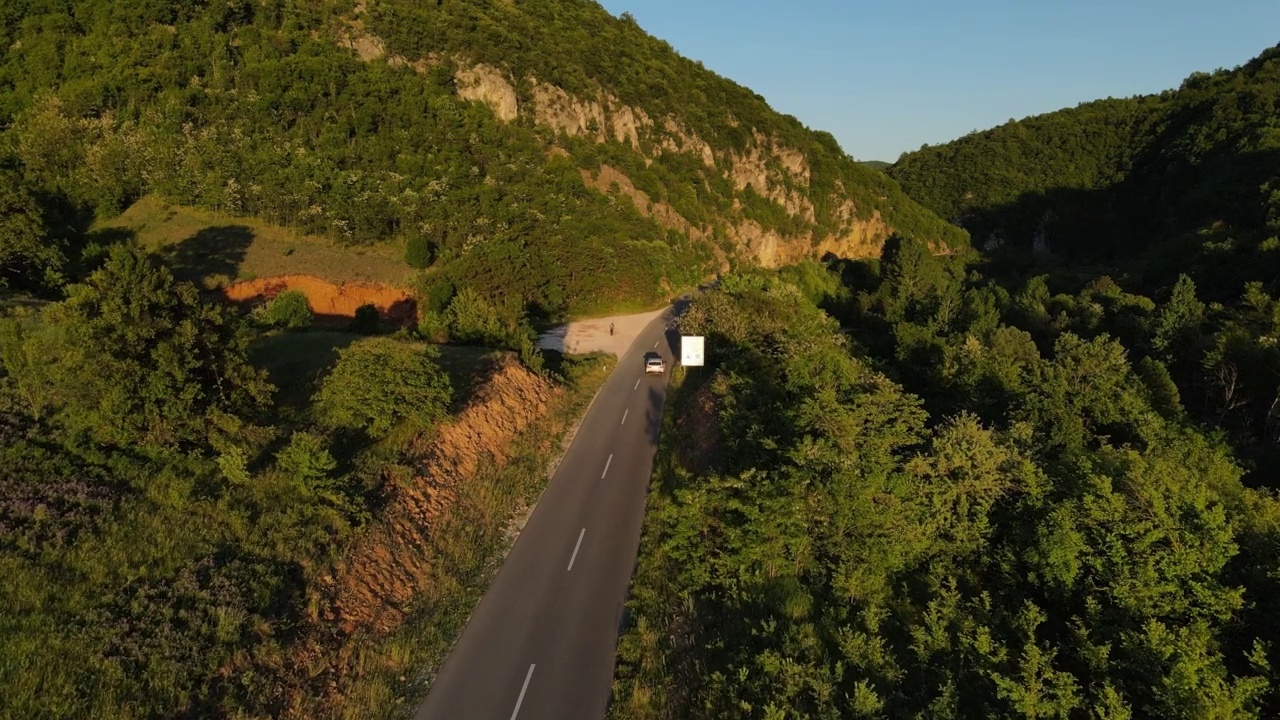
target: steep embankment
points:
(386, 611)
(1189, 175)
(392, 562)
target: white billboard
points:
(691, 347)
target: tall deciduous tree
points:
(379, 382)
(29, 259)
(145, 360)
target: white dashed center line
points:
(606, 466)
(575, 550)
(624, 416)
(637, 384)
(523, 688)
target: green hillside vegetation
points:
(259, 110)
(1176, 197)
(972, 506)
(1184, 181)
(175, 477)
(579, 47)
(216, 249)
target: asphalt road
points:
(541, 643)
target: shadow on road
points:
(653, 415)
(672, 333)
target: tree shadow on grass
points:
(212, 253)
(294, 361)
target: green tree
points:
(25, 357)
(28, 257)
(472, 320)
(289, 309)
(1162, 392)
(309, 466)
(418, 252)
(143, 359)
(379, 382)
(1176, 325)
(915, 284)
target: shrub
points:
(142, 358)
(289, 309)
(472, 320)
(418, 252)
(381, 381)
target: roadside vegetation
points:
(390, 673)
(952, 510)
(1039, 481)
(176, 477)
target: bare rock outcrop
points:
(602, 118)
(859, 238)
(487, 84)
(679, 139)
(611, 181)
(556, 109)
(773, 170)
(752, 169)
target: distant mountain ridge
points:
(1189, 177)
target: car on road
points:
(654, 364)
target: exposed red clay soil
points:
(330, 302)
(387, 566)
(371, 588)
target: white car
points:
(654, 364)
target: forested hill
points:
(1189, 174)
(544, 153)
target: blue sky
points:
(886, 76)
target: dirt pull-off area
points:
(330, 302)
(391, 562)
(588, 336)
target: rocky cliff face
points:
(764, 168)
(770, 169)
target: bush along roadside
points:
(833, 549)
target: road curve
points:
(541, 643)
